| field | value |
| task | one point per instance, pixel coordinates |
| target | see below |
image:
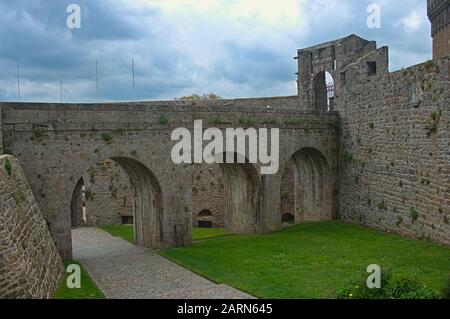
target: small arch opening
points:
(324, 91)
(287, 219)
(205, 219)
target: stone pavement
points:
(122, 271)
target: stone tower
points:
(439, 15)
(324, 69)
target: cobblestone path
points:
(122, 270)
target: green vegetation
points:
(124, 231)
(88, 288)
(348, 157)
(400, 285)
(312, 260)
(163, 120)
(207, 233)
(433, 122)
(218, 121)
(270, 121)
(127, 232)
(38, 133)
(382, 205)
(107, 137)
(19, 197)
(247, 121)
(8, 166)
(445, 293)
(414, 214)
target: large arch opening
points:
(143, 194)
(324, 91)
(77, 205)
(242, 197)
(307, 187)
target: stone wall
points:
(208, 194)
(395, 163)
(287, 192)
(439, 15)
(109, 195)
(56, 144)
(441, 43)
(30, 266)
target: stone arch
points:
(148, 202)
(242, 197)
(323, 86)
(205, 219)
(312, 185)
(76, 205)
(288, 218)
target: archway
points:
(205, 219)
(242, 197)
(287, 219)
(148, 202)
(324, 91)
(77, 205)
(312, 186)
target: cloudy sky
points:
(234, 48)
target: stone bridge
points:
(57, 143)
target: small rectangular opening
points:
(127, 220)
(205, 224)
(371, 68)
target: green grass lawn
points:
(126, 232)
(88, 288)
(313, 260)
(199, 234)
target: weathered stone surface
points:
(66, 140)
(30, 266)
(396, 168)
(394, 137)
(439, 15)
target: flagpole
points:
(18, 81)
(132, 70)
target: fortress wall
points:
(109, 194)
(208, 193)
(56, 144)
(30, 266)
(395, 163)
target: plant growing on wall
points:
(107, 137)
(8, 166)
(163, 120)
(414, 214)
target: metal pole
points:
(96, 80)
(61, 87)
(132, 68)
(18, 81)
